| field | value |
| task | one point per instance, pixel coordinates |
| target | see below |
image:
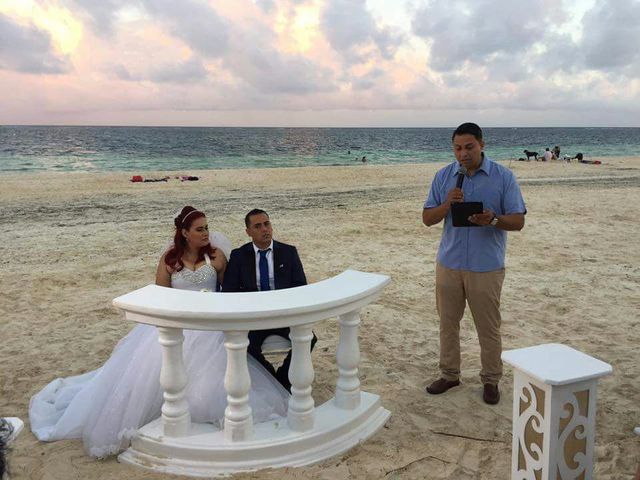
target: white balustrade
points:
(554, 412)
(173, 444)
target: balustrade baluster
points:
(176, 418)
(301, 405)
(348, 359)
(238, 420)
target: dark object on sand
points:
(591, 162)
(140, 178)
(164, 179)
(531, 154)
(188, 178)
(581, 159)
(6, 429)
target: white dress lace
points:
(106, 406)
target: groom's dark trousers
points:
(288, 272)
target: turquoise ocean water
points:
(139, 149)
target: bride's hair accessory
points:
(179, 219)
(184, 219)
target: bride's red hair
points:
(173, 258)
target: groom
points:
(264, 264)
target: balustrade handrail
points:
(176, 308)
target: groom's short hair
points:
(255, 211)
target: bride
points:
(106, 406)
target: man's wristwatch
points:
(494, 220)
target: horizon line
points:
(300, 126)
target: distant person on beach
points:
(548, 156)
(556, 152)
(364, 159)
(106, 406)
(581, 159)
(470, 261)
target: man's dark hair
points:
(468, 129)
(255, 211)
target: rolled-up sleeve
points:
(434, 199)
(512, 199)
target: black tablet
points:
(460, 213)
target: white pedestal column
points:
(173, 378)
(554, 412)
(348, 359)
(238, 420)
(300, 416)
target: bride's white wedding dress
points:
(106, 406)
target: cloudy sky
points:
(320, 62)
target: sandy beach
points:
(70, 243)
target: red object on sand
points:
(137, 178)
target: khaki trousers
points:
(482, 291)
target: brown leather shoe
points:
(442, 385)
(491, 394)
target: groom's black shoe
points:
(442, 385)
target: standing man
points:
(470, 262)
(264, 264)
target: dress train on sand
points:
(106, 406)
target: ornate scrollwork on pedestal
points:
(572, 439)
(530, 430)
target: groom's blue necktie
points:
(264, 270)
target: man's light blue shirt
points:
(476, 249)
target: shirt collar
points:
(256, 249)
(485, 166)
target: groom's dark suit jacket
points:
(240, 275)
